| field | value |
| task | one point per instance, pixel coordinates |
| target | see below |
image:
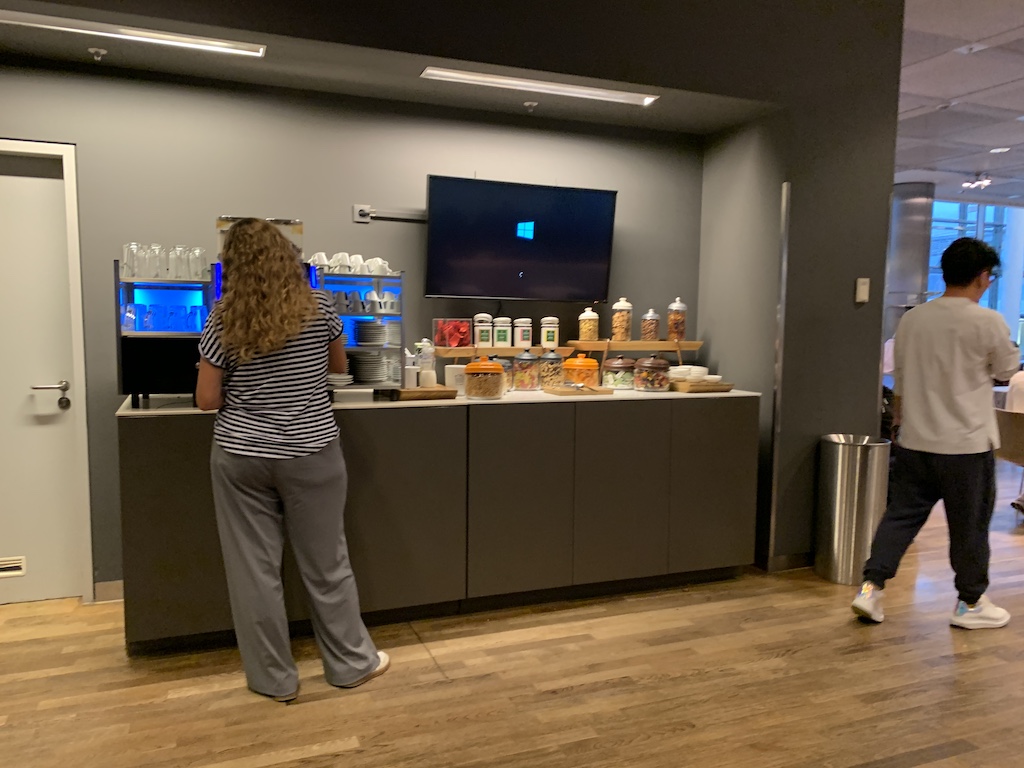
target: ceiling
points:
(962, 95)
(358, 71)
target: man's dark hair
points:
(967, 258)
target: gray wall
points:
(739, 279)
(159, 161)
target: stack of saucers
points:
(369, 368)
(339, 380)
(393, 333)
(370, 333)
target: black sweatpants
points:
(966, 483)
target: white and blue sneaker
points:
(984, 614)
(868, 603)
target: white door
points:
(45, 543)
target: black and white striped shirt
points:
(276, 406)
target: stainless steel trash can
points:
(852, 485)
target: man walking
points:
(948, 351)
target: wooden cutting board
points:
(420, 393)
(570, 391)
(701, 386)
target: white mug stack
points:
(343, 263)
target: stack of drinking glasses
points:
(153, 261)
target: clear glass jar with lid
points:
(549, 332)
(650, 325)
(618, 372)
(522, 333)
(622, 320)
(589, 320)
(677, 320)
(651, 374)
(551, 374)
(526, 372)
(485, 380)
(506, 369)
(483, 330)
(581, 370)
(503, 331)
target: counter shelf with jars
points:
(370, 308)
(159, 321)
(606, 346)
(466, 353)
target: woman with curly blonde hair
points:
(276, 461)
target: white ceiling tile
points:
(931, 155)
(911, 101)
(1005, 134)
(940, 123)
(969, 19)
(1009, 97)
(952, 75)
(981, 162)
(919, 46)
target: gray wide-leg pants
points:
(257, 500)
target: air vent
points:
(12, 566)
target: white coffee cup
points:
(355, 260)
(364, 270)
(372, 296)
(341, 257)
(319, 259)
(699, 370)
(455, 378)
(411, 372)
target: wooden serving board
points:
(420, 393)
(701, 386)
(570, 391)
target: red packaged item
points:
(453, 332)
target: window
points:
(952, 220)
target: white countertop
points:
(176, 405)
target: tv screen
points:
(498, 240)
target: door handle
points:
(62, 385)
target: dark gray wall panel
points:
(622, 490)
(714, 484)
(520, 497)
(406, 511)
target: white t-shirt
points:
(948, 351)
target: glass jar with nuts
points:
(677, 320)
(485, 380)
(622, 320)
(589, 325)
(650, 326)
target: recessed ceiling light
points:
(537, 86)
(133, 34)
(999, 150)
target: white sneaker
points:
(868, 603)
(984, 614)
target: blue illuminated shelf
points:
(164, 281)
(160, 334)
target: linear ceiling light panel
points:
(537, 86)
(133, 34)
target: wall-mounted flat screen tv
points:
(499, 240)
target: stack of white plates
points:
(344, 339)
(369, 369)
(370, 333)
(393, 333)
(339, 380)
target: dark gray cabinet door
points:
(622, 490)
(520, 497)
(406, 514)
(714, 483)
(174, 580)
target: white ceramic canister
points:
(522, 335)
(483, 330)
(549, 332)
(503, 331)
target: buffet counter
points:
(454, 504)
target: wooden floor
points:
(762, 671)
